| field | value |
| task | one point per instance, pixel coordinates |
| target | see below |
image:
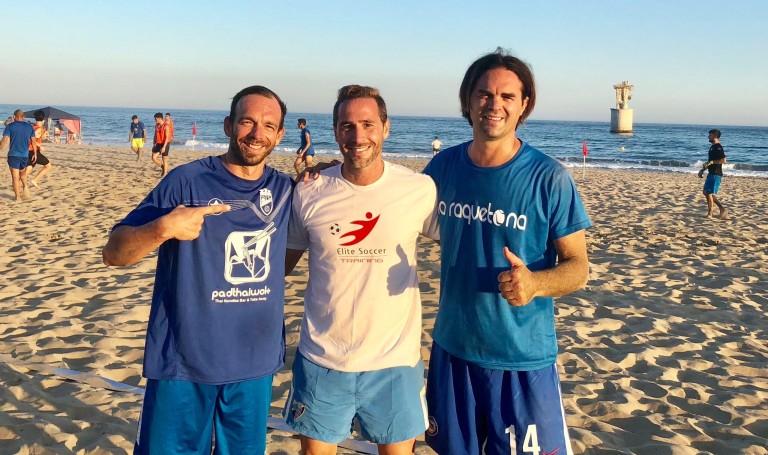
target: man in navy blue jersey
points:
(215, 335)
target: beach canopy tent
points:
(70, 121)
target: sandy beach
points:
(664, 352)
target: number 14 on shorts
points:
(530, 442)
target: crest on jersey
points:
(432, 428)
(266, 203)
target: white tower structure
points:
(621, 115)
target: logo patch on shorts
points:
(297, 410)
(432, 428)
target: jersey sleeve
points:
(166, 196)
(719, 153)
(431, 227)
(567, 212)
(298, 236)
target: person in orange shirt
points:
(162, 141)
(40, 135)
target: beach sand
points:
(664, 352)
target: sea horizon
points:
(653, 146)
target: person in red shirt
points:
(162, 141)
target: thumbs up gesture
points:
(517, 284)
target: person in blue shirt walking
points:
(216, 334)
(512, 235)
(306, 150)
(20, 135)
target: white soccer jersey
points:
(362, 309)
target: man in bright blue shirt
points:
(512, 238)
(20, 135)
(215, 335)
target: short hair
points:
(135, 117)
(18, 113)
(303, 121)
(159, 115)
(498, 59)
(167, 114)
(257, 90)
(39, 115)
(715, 133)
(351, 92)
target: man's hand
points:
(185, 223)
(517, 284)
(701, 174)
(314, 171)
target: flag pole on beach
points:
(194, 135)
(584, 152)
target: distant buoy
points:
(622, 148)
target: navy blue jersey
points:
(217, 305)
(138, 130)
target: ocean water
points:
(659, 147)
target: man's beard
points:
(242, 158)
(363, 161)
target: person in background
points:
(436, 144)
(57, 130)
(215, 336)
(360, 348)
(714, 167)
(171, 128)
(19, 134)
(137, 134)
(8, 121)
(512, 235)
(41, 134)
(306, 150)
(162, 142)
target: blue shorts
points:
(181, 416)
(388, 404)
(712, 184)
(18, 162)
(474, 410)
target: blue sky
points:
(699, 62)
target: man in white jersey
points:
(359, 353)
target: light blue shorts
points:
(388, 404)
(712, 184)
(180, 417)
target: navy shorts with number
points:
(474, 410)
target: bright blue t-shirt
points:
(20, 134)
(138, 130)
(524, 204)
(217, 305)
(304, 134)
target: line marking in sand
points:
(106, 383)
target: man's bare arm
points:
(128, 245)
(520, 285)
